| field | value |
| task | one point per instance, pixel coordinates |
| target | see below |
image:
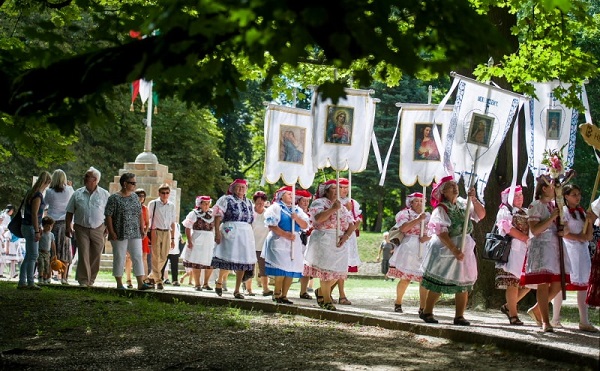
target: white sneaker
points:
(556, 324)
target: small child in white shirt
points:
(46, 245)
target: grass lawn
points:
(368, 245)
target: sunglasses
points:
(164, 193)
(132, 183)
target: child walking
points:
(46, 245)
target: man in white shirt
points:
(86, 211)
(162, 217)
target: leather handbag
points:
(396, 236)
(497, 247)
(14, 226)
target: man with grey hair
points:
(86, 211)
(162, 217)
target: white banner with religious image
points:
(549, 125)
(342, 132)
(481, 117)
(288, 145)
(420, 157)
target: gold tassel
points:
(155, 110)
(131, 107)
(143, 108)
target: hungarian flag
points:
(142, 87)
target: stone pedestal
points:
(148, 176)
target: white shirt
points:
(88, 208)
(162, 216)
(260, 230)
(57, 202)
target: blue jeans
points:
(30, 258)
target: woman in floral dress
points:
(327, 252)
(406, 261)
(512, 220)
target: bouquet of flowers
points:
(553, 160)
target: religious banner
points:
(550, 125)
(420, 157)
(481, 117)
(288, 145)
(342, 132)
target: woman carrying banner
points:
(593, 292)
(576, 246)
(353, 258)
(450, 266)
(327, 252)
(542, 267)
(512, 220)
(283, 249)
(406, 261)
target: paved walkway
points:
(375, 308)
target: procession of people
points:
(318, 240)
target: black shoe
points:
(398, 308)
(167, 282)
(268, 293)
(305, 296)
(461, 321)
(219, 291)
(198, 288)
(428, 318)
(284, 300)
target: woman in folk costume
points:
(353, 258)
(233, 235)
(542, 265)
(303, 198)
(260, 231)
(593, 291)
(512, 220)
(450, 266)
(326, 256)
(406, 261)
(200, 231)
(576, 246)
(283, 249)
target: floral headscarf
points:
(300, 193)
(199, 200)
(506, 192)
(323, 187)
(411, 197)
(436, 193)
(281, 191)
(234, 183)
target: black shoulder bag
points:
(497, 247)
(14, 226)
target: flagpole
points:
(337, 184)
(293, 223)
(147, 157)
(471, 185)
(585, 226)
(422, 221)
